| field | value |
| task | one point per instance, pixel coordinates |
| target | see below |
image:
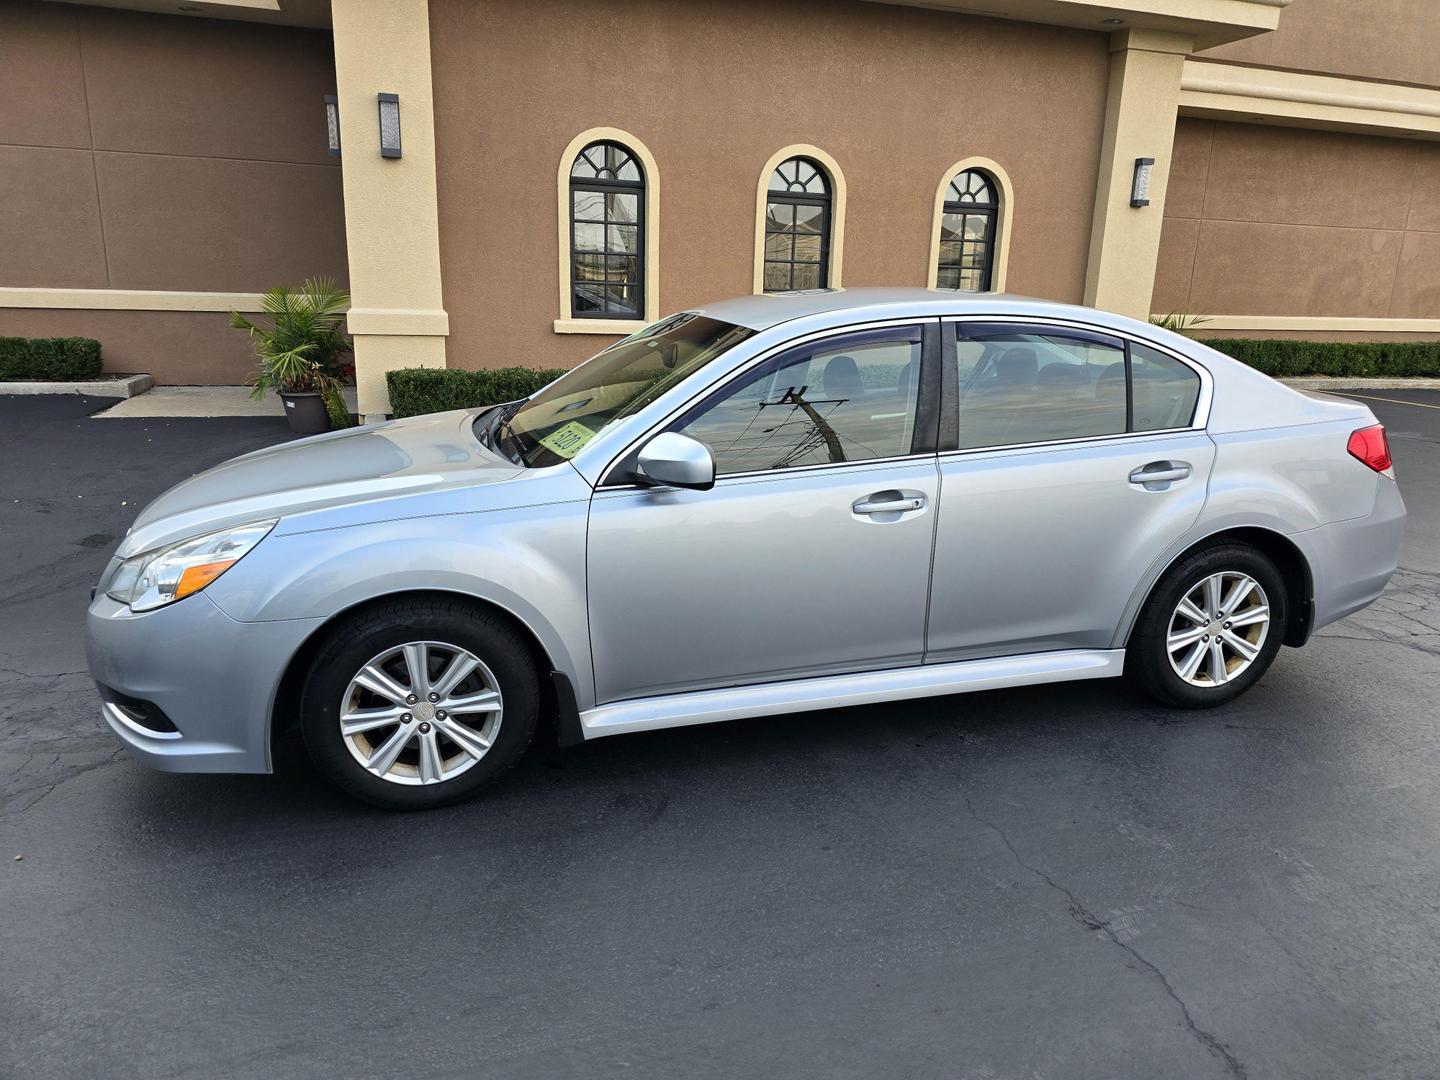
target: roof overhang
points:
(1206, 22)
(312, 13)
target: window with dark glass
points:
(1163, 390)
(1024, 384)
(797, 227)
(607, 214)
(1028, 386)
(967, 233)
(847, 399)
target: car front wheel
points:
(419, 704)
(1211, 627)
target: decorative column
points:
(1140, 111)
(382, 71)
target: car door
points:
(810, 555)
(1068, 464)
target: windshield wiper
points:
(501, 433)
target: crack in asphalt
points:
(38, 675)
(1407, 614)
(73, 774)
(1088, 919)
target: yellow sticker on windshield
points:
(568, 440)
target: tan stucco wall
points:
(896, 95)
(1276, 221)
(158, 152)
(1396, 40)
(185, 347)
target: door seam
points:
(934, 542)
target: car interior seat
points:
(842, 378)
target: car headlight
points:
(153, 579)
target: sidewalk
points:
(203, 401)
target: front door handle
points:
(889, 502)
(1160, 473)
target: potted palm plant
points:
(301, 352)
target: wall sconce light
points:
(389, 125)
(1140, 185)
(332, 123)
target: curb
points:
(1335, 382)
(126, 386)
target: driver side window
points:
(845, 399)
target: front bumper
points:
(213, 678)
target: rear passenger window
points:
(1164, 390)
(1029, 387)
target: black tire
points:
(1147, 660)
(352, 643)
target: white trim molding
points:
(837, 211)
(127, 300)
(567, 323)
(1223, 91)
(1000, 264)
(398, 322)
(1208, 22)
(602, 327)
(1313, 324)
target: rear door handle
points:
(1160, 472)
(889, 502)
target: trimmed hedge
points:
(425, 390)
(64, 359)
(1345, 359)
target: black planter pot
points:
(306, 413)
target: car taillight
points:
(1369, 445)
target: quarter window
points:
(607, 214)
(797, 227)
(836, 401)
(1163, 390)
(967, 233)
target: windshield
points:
(555, 424)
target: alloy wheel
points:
(421, 713)
(1218, 628)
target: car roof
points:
(764, 310)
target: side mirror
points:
(677, 461)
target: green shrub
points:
(1343, 359)
(67, 359)
(425, 390)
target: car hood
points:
(367, 464)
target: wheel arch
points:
(1294, 568)
(284, 708)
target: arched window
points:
(968, 223)
(607, 233)
(797, 226)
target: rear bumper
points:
(214, 680)
(1351, 561)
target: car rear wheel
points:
(419, 704)
(1210, 629)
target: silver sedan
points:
(763, 506)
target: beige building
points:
(519, 183)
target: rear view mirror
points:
(677, 461)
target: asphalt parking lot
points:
(1052, 882)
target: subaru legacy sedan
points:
(768, 505)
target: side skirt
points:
(838, 691)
